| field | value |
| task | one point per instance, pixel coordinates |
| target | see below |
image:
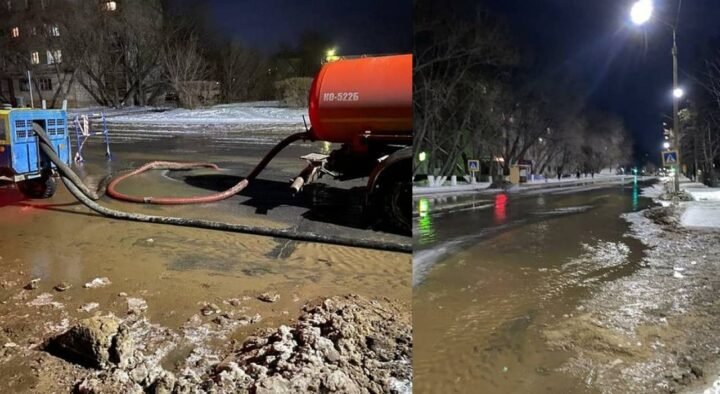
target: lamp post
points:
(677, 95)
(640, 13)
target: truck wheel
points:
(43, 187)
(397, 204)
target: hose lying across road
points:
(165, 165)
(88, 197)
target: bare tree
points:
(700, 143)
(456, 64)
(183, 67)
(240, 72)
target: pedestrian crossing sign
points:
(670, 158)
(474, 165)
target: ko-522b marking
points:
(341, 96)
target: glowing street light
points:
(641, 11)
(331, 55)
(666, 145)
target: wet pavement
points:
(177, 270)
(489, 279)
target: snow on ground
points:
(704, 212)
(705, 215)
(464, 188)
(701, 192)
(262, 112)
(656, 190)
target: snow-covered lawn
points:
(701, 192)
(704, 212)
(265, 112)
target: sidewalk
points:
(451, 198)
(464, 188)
(702, 212)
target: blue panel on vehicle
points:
(26, 152)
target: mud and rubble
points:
(339, 344)
(656, 329)
(343, 344)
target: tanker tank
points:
(363, 98)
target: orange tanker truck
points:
(365, 104)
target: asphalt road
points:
(328, 207)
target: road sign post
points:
(670, 158)
(474, 167)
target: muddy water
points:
(174, 268)
(479, 311)
(177, 269)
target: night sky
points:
(619, 67)
(594, 42)
(357, 27)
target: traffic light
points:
(667, 132)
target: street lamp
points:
(640, 13)
(666, 145)
(331, 55)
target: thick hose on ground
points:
(84, 195)
(46, 146)
(157, 165)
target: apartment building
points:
(31, 43)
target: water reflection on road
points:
(424, 228)
(480, 306)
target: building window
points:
(45, 84)
(55, 31)
(15, 32)
(54, 56)
(9, 5)
(24, 87)
(110, 6)
(35, 58)
(34, 31)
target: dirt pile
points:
(664, 216)
(91, 342)
(341, 344)
(676, 197)
(348, 345)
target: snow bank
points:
(705, 215)
(656, 190)
(703, 212)
(268, 112)
(703, 193)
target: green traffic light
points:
(422, 156)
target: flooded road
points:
(171, 273)
(491, 278)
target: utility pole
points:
(676, 123)
(30, 87)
